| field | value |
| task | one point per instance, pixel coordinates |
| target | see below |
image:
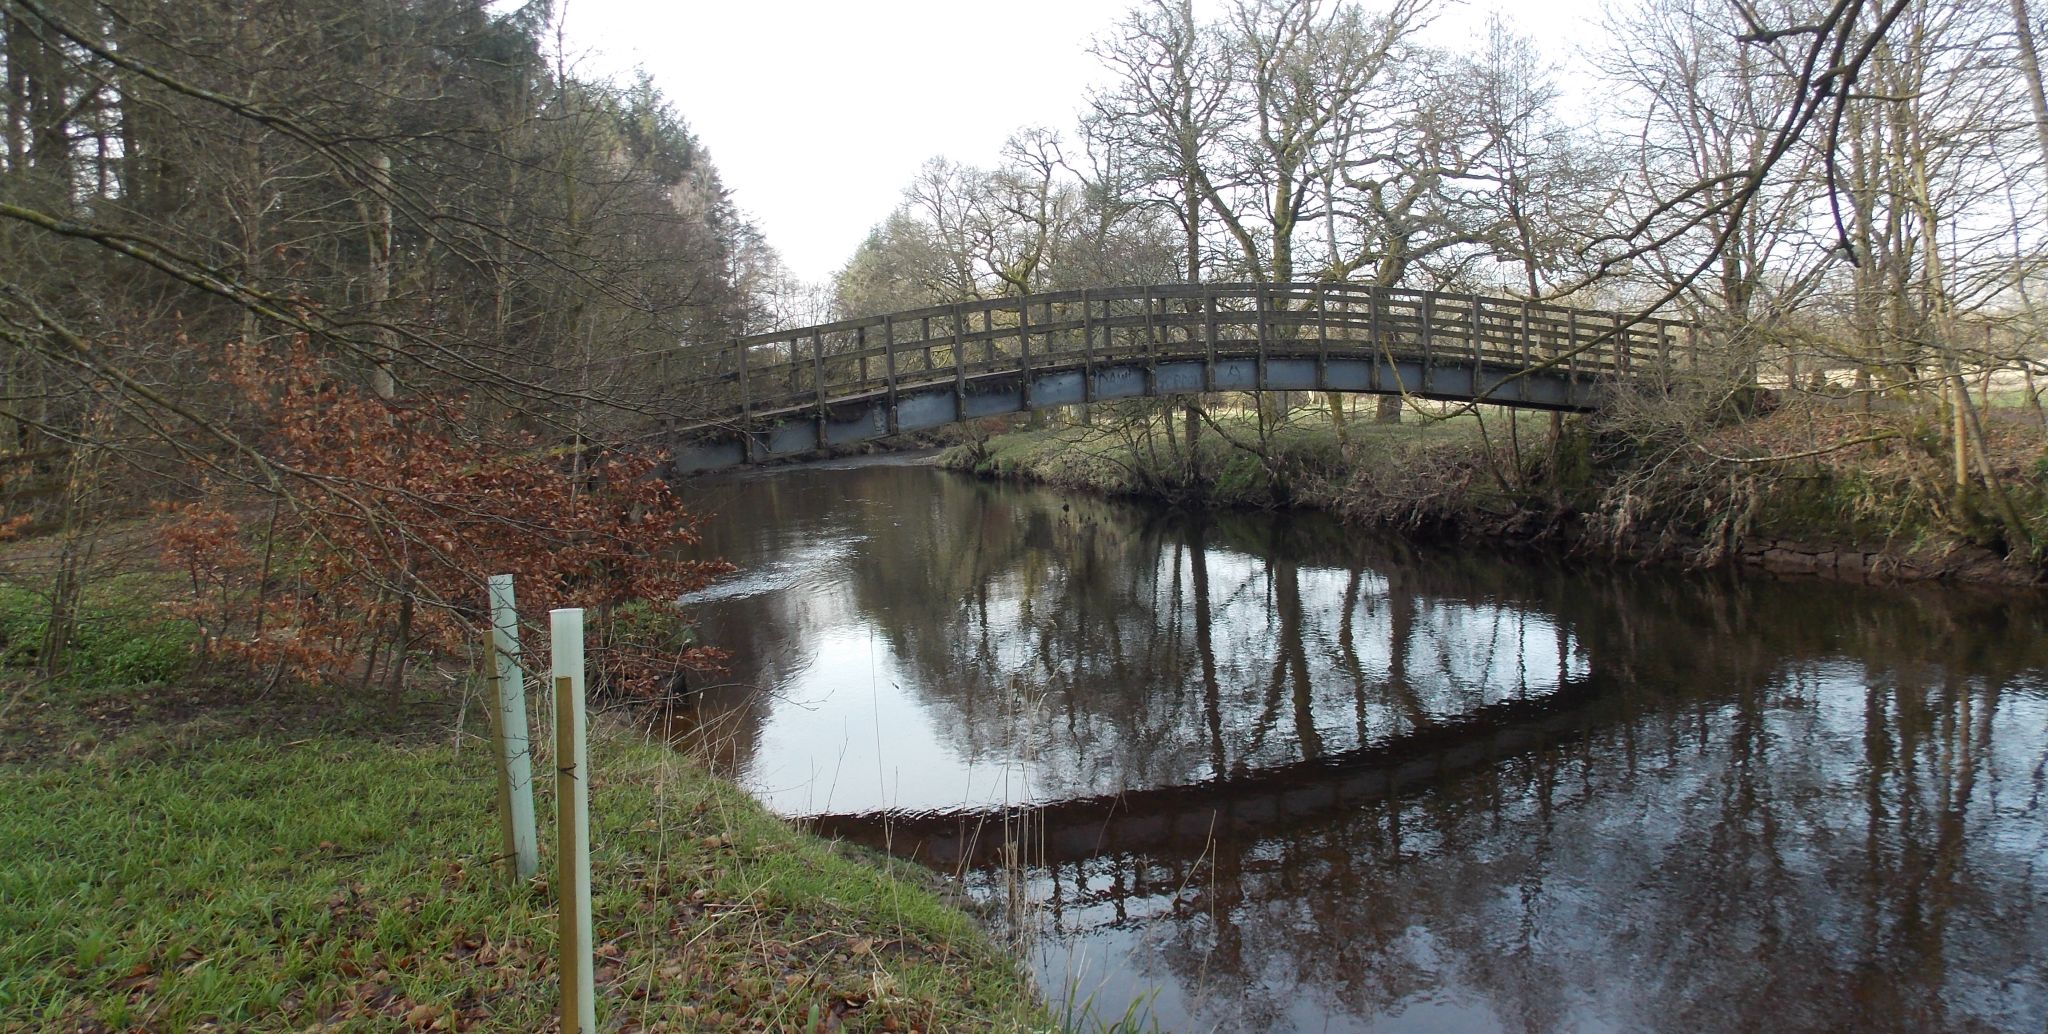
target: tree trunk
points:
(17, 43)
(2034, 394)
(1212, 705)
(2030, 68)
(383, 380)
(2019, 538)
(1959, 401)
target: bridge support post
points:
(1376, 347)
(1261, 303)
(1663, 354)
(1209, 338)
(1151, 350)
(1571, 345)
(1479, 392)
(1087, 350)
(1024, 353)
(889, 369)
(746, 405)
(1323, 340)
(959, 367)
(1428, 341)
(1622, 333)
(818, 381)
(1525, 334)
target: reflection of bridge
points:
(1180, 821)
(791, 391)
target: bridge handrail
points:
(1233, 289)
(811, 365)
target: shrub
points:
(388, 519)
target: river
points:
(1269, 773)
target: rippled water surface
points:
(1272, 774)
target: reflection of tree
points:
(1095, 637)
(1815, 810)
(1793, 806)
(1205, 644)
(1101, 646)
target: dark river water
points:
(1258, 772)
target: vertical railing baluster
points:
(889, 369)
(1087, 347)
(739, 365)
(818, 381)
(746, 406)
(1323, 336)
(1151, 332)
(1571, 346)
(1259, 305)
(1525, 334)
(1428, 340)
(1478, 344)
(1375, 344)
(795, 386)
(1024, 352)
(959, 366)
(1208, 297)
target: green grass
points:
(122, 637)
(180, 860)
(178, 854)
(1306, 450)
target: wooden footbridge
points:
(788, 392)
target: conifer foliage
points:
(466, 287)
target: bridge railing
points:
(812, 366)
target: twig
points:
(1782, 457)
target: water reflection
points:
(924, 642)
(1287, 779)
(1824, 850)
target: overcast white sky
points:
(819, 112)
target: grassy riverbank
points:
(1298, 462)
(1872, 510)
(204, 857)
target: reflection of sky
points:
(847, 732)
(1464, 652)
(848, 725)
